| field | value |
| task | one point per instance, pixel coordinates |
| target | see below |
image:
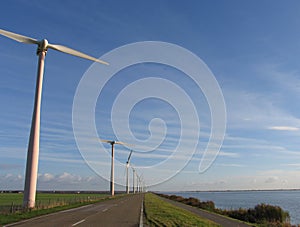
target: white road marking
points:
(77, 223)
(77, 208)
(104, 210)
(142, 214)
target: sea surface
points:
(288, 200)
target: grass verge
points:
(19, 216)
(7, 199)
(161, 213)
(10, 218)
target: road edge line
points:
(142, 214)
(79, 222)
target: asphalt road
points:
(117, 212)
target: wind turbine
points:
(127, 177)
(112, 175)
(141, 183)
(133, 180)
(138, 183)
(34, 139)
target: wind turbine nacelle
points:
(42, 46)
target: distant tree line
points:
(268, 215)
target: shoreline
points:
(234, 190)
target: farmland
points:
(7, 199)
(11, 204)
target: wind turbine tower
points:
(112, 174)
(34, 139)
(133, 180)
(127, 174)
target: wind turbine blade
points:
(122, 143)
(129, 156)
(106, 141)
(19, 38)
(68, 50)
(119, 142)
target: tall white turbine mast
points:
(112, 175)
(133, 180)
(34, 139)
(127, 174)
(141, 183)
(137, 182)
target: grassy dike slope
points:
(161, 213)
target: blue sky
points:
(252, 48)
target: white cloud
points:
(11, 181)
(45, 177)
(68, 181)
(238, 179)
(283, 128)
(231, 165)
(229, 154)
(271, 179)
(292, 165)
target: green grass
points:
(46, 198)
(161, 213)
(9, 198)
(10, 218)
(47, 203)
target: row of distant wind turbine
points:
(139, 181)
(135, 175)
(33, 146)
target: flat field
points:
(11, 204)
(7, 199)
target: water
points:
(288, 200)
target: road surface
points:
(123, 211)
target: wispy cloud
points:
(281, 79)
(249, 110)
(49, 181)
(231, 165)
(229, 154)
(283, 128)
